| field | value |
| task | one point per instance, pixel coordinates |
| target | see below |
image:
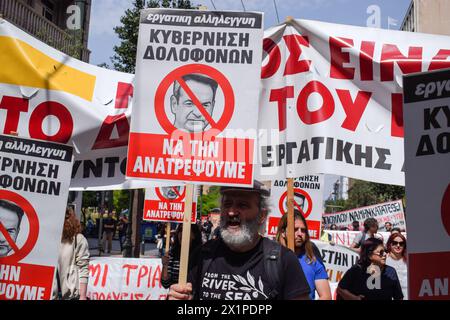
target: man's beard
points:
(245, 237)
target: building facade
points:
(62, 24)
(428, 16)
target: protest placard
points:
(391, 211)
(166, 204)
(193, 120)
(34, 180)
(125, 279)
(308, 199)
(427, 156)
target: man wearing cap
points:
(237, 265)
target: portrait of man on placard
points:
(10, 219)
(187, 116)
(170, 193)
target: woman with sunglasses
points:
(370, 278)
(396, 248)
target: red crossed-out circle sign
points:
(176, 75)
(180, 196)
(33, 221)
(445, 210)
(296, 205)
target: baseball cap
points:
(257, 187)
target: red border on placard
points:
(33, 221)
(307, 198)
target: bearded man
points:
(241, 264)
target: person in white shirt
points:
(73, 262)
(396, 247)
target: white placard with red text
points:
(391, 211)
(125, 279)
(332, 98)
(166, 204)
(196, 98)
(427, 155)
(34, 180)
(308, 199)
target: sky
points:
(105, 15)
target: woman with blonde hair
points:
(73, 261)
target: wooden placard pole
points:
(166, 252)
(186, 235)
(290, 213)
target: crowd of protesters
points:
(235, 249)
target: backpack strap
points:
(272, 266)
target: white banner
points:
(308, 199)
(332, 98)
(427, 154)
(196, 102)
(125, 279)
(384, 212)
(337, 259)
(345, 238)
(47, 95)
(34, 180)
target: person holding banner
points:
(370, 278)
(73, 262)
(241, 264)
(308, 255)
(370, 229)
(171, 260)
(396, 247)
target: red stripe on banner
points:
(429, 276)
(171, 157)
(26, 281)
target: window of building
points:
(48, 10)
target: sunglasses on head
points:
(398, 243)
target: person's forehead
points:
(299, 223)
(198, 88)
(8, 216)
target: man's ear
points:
(173, 103)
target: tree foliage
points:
(364, 193)
(210, 200)
(124, 58)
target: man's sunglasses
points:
(398, 243)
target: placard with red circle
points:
(32, 220)
(176, 75)
(296, 206)
(163, 198)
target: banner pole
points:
(186, 235)
(166, 252)
(290, 213)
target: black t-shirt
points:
(109, 221)
(355, 281)
(241, 276)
